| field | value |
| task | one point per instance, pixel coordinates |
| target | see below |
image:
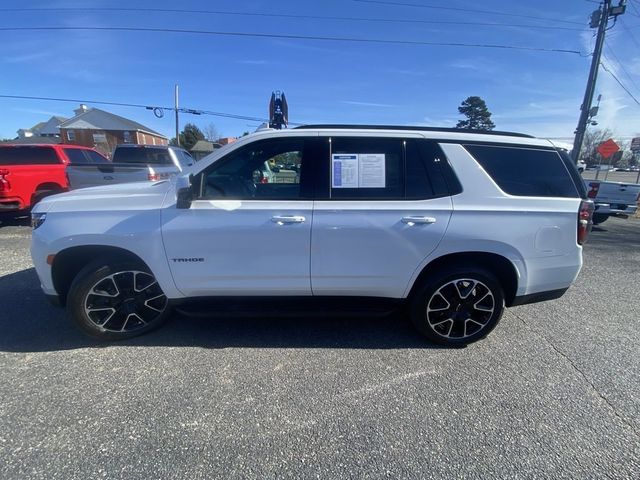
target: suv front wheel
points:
(113, 301)
(457, 306)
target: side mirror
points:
(184, 192)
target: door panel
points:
(373, 248)
(239, 247)
(249, 232)
(369, 241)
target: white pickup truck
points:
(131, 163)
(612, 199)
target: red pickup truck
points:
(29, 173)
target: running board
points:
(278, 307)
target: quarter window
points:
(525, 171)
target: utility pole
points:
(177, 119)
(599, 19)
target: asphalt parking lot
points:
(553, 392)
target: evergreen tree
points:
(189, 136)
(477, 113)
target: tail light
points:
(593, 193)
(585, 221)
(154, 176)
(5, 186)
(264, 180)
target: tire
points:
(457, 305)
(599, 218)
(114, 300)
(40, 194)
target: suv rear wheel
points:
(457, 305)
(113, 301)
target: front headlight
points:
(37, 219)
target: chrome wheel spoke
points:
(440, 298)
(101, 322)
(465, 288)
(151, 281)
(152, 299)
(104, 293)
(126, 321)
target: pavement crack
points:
(581, 374)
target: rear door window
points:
(75, 155)
(28, 155)
(145, 155)
(364, 168)
(523, 171)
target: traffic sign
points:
(608, 148)
(635, 144)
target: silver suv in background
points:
(130, 163)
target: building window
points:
(71, 135)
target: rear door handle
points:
(415, 220)
(283, 219)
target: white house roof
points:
(51, 126)
(96, 119)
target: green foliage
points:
(477, 113)
(189, 136)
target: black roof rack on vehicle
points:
(416, 128)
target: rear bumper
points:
(11, 204)
(615, 209)
(538, 297)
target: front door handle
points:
(283, 219)
(418, 220)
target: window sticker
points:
(358, 170)
(371, 170)
(344, 170)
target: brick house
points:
(102, 130)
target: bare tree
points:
(211, 132)
(592, 139)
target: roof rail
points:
(415, 128)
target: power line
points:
(622, 67)
(631, 35)
(280, 15)
(293, 37)
(620, 83)
(458, 9)
(148, 107)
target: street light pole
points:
(591, 82)
(177, 119)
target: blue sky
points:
(533, 92)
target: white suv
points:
(453, 225)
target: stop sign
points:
(608, 148)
